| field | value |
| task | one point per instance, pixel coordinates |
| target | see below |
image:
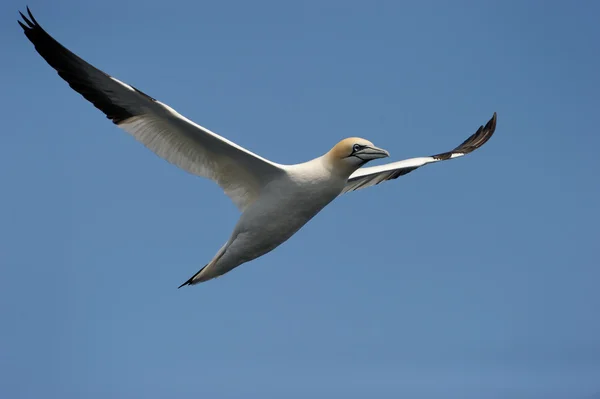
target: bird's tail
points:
(196, 278)
(191, 279)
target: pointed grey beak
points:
(369, 153)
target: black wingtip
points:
(491, 125)
(31, 22)
(31, 15)
(27, 21)
(475, 141)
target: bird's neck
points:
(337, 166)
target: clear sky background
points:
(471, 278)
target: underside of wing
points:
(371, 176)
(170, 135)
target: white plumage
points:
(275, 200)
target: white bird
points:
(276, 200)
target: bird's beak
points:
(369, 153)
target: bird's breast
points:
(283, 209)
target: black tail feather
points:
(189, 281)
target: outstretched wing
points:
(239, 172)
(366, 177)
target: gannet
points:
(275, 200)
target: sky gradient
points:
(471, 278)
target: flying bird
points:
(275, 200)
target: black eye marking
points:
(355, 149)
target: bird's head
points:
(352, 153)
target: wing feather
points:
(193, 148)
(371, 176)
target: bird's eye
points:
(356, 147)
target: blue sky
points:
(472, 278)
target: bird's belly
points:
(268, 226)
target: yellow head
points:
(351, 153)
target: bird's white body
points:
(286, 204)
(275, 200)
